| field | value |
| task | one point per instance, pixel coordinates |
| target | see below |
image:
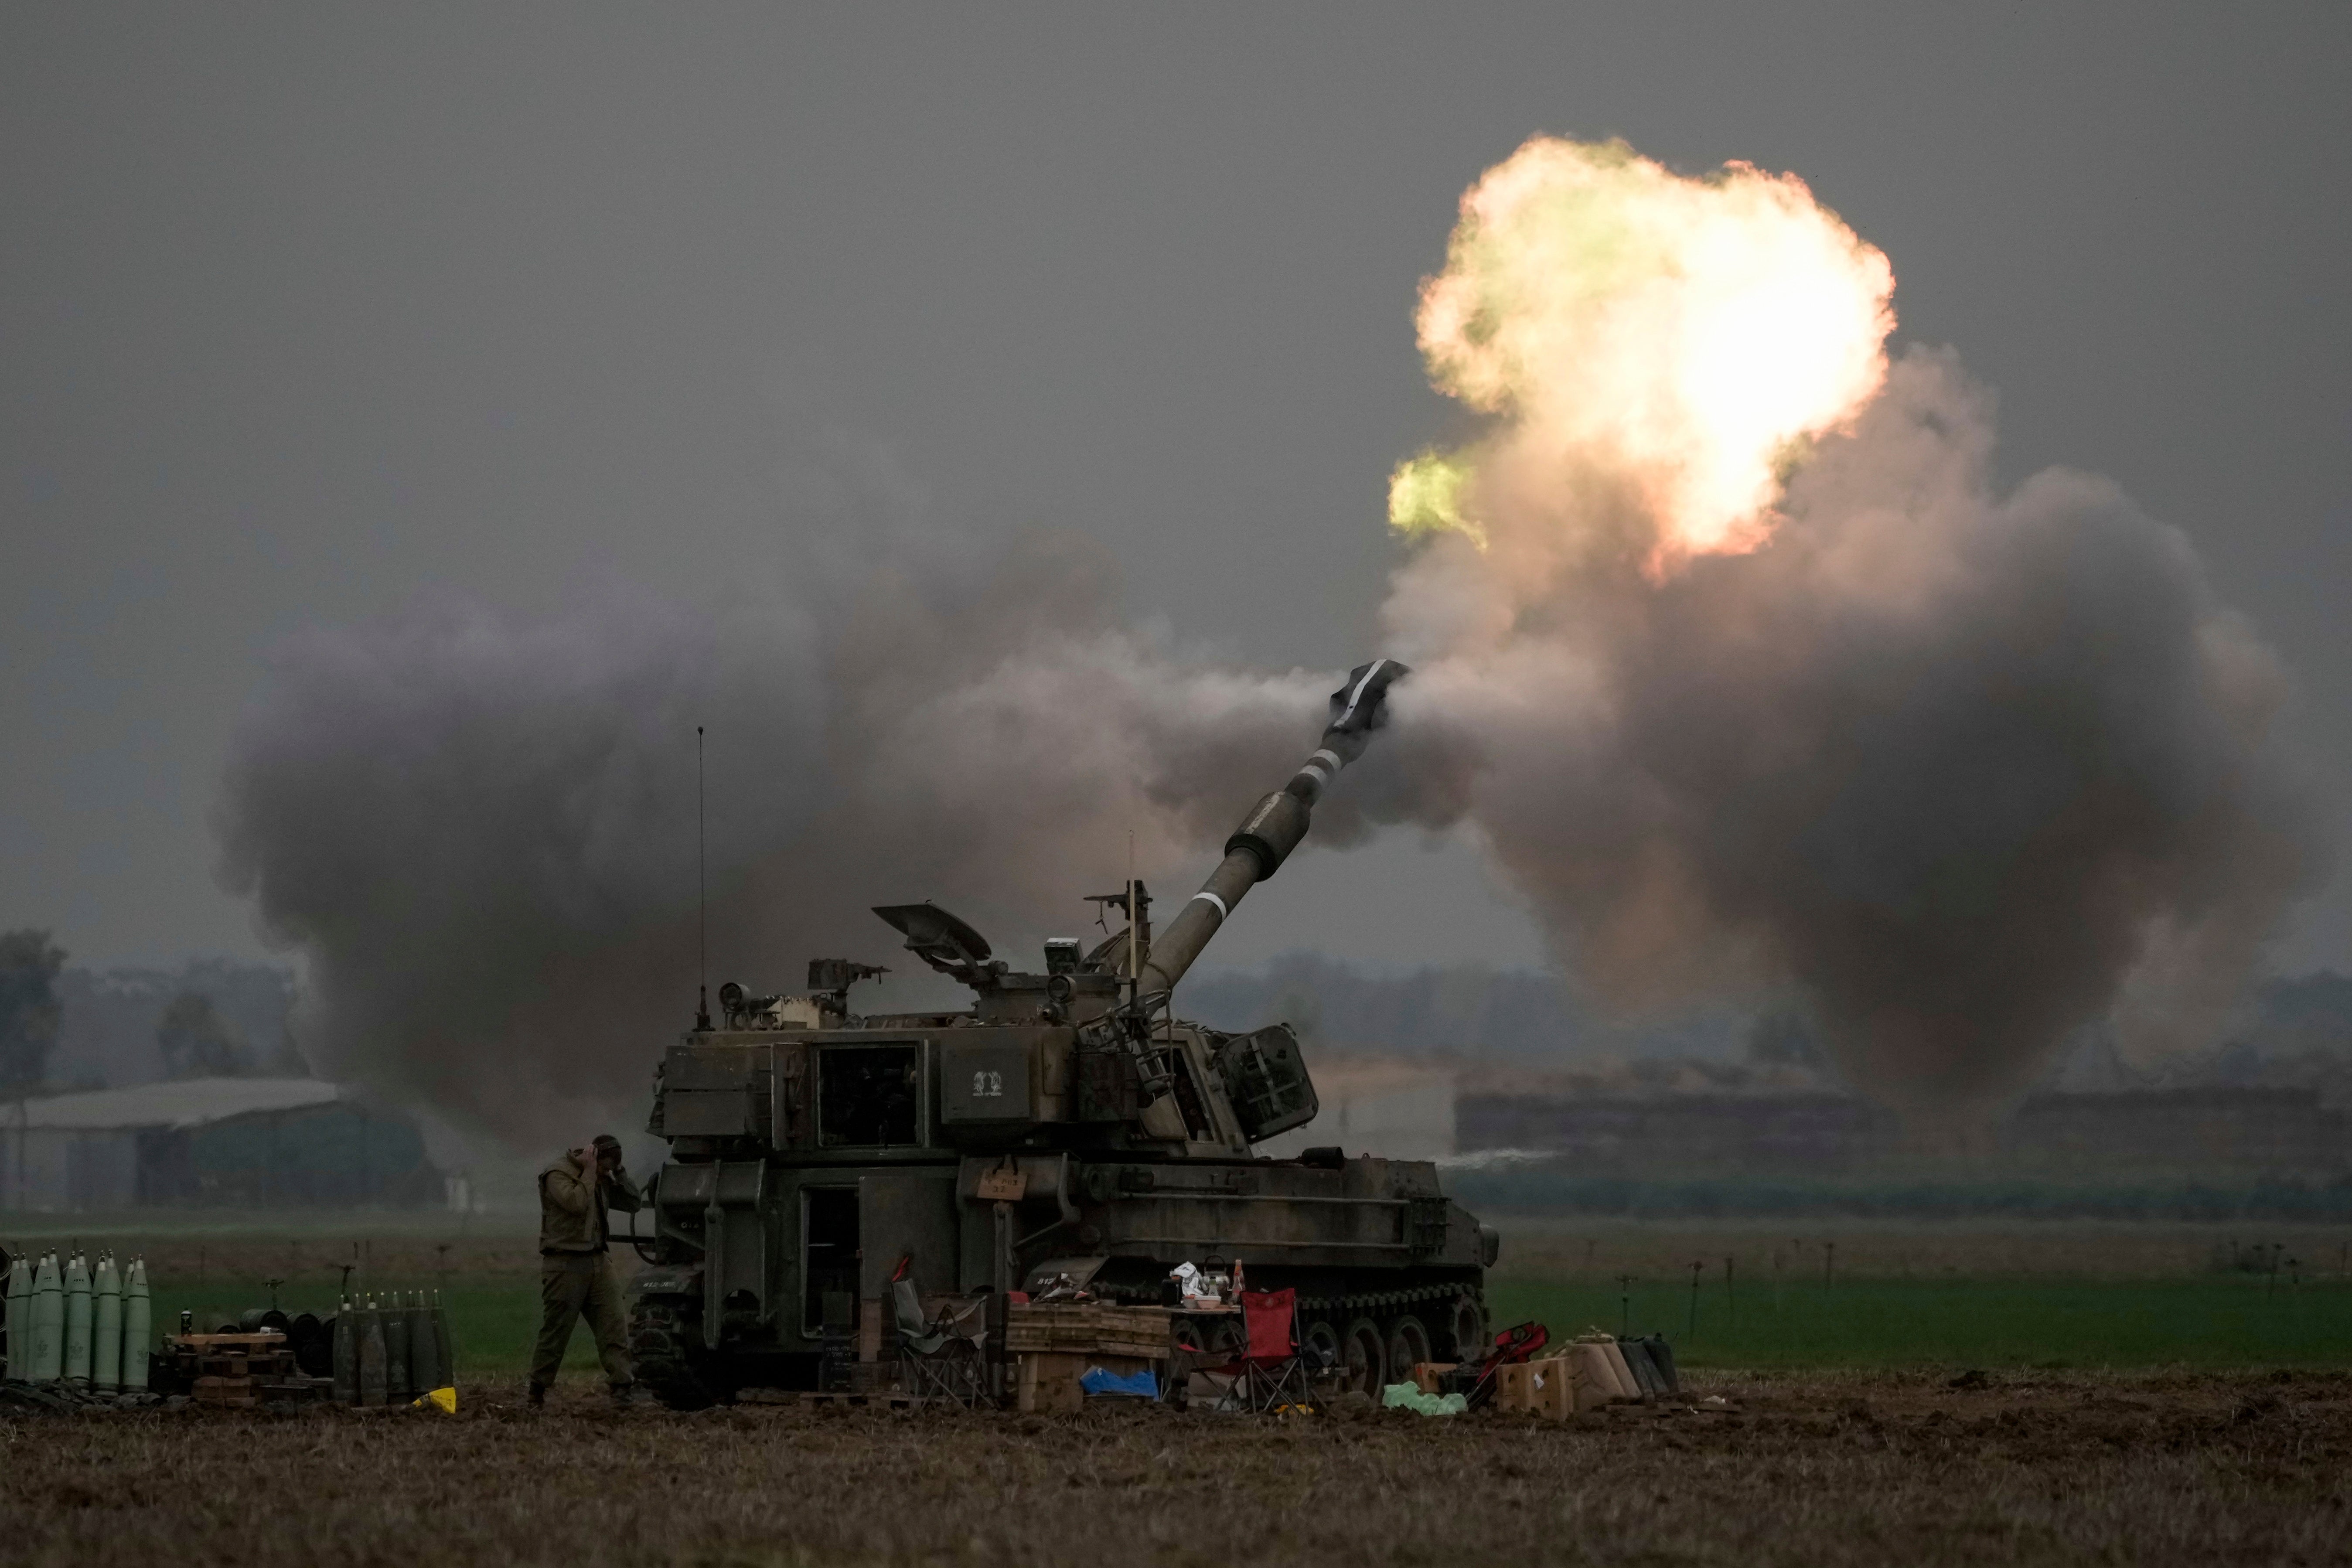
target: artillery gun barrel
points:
(1274, 827)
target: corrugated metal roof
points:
(190, 1102)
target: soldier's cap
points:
(605, 1144)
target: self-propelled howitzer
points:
(1067, 1124)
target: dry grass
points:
(1864, 1469)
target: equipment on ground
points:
(106, 1326)
(137, 1327)
(1514, 1345)
(1068, 1123)
(239, 1370)
(78, 1315)
(19, 1318)
(46, 1361)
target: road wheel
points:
(1469, 1330)
(1363, 1353)
(665, 1361)
(1408, 1343)
(1320, 1342)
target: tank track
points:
(1380, 1300)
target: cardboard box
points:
(1551, 1393)
(1046, 1382)
(1426, 1373)
(1514, 1385)
(1592, 1382)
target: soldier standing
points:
(575, 1262)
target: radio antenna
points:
(701, 896)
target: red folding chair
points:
(1269, 1374)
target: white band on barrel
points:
(1320, 768)
(1221, 911)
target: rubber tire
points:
(1467, 1330)
(1363, 1353)
(666, 1364)
(1408, 1342)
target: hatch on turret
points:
(941, 941)
(1267, 1082)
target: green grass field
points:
(2083, 1324)
(1920, 1295)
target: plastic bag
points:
(1407, 1396)
(1137, 1384)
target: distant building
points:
(1677, 1130)
(1394, 1110)
(253, 1143)
(1650, 1133)
(2283, 1132)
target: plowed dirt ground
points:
(1805, 1469)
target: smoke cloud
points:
(480, 832)
(1754, 683)
(1727, 645)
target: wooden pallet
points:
(241, 1370)
(234, 1392)
(261, 1347)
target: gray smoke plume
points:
(1753, 685)
(480, 832)
(1964, 770)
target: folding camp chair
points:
(1269, 1374)
(940, 1359)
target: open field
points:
(1810, 1469)
(1893, 1401)
(1859, 1294)
(1885, 1294)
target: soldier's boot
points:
(627, 1394)
(538, 1395)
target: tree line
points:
(191, 1037)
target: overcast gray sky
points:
(304, 312)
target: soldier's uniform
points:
(576, 1276)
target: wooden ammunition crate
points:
(230, 1391)
(240, 1369)
(1546, 1386)
(1084, 1328)
(1514, 1385)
